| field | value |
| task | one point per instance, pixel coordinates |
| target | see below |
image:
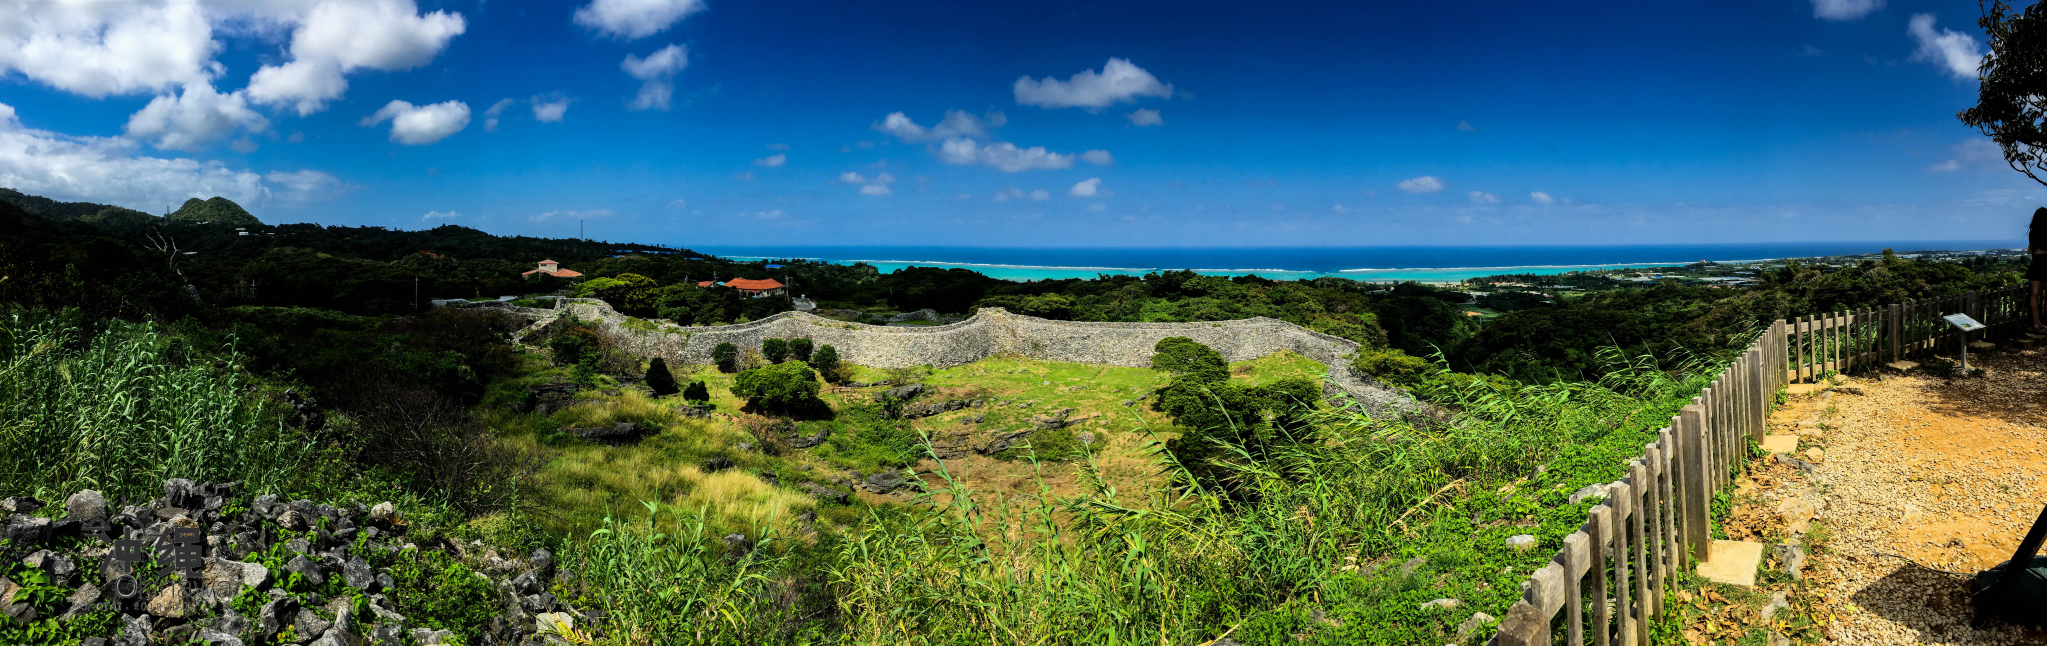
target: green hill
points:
(80, 211)
(218, 210)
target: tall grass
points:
(121, 409)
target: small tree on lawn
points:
(800, 349)
(826, 360)
(697, 392)
(659, 379)
(781, 387)
(775, 350)
(727, 357)
(1184, 356)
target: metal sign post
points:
(1966, 325)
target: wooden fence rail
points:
(1655, 521)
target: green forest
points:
(782, 495)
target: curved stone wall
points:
(992, 331)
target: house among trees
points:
(749, 286)
(554, 269)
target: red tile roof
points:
(549, 262)
(751, 285)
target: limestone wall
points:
(992, 331)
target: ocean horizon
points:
(1384, 263)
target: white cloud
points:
(243, 145)
(437, 215)
(744, 177)
(956, 124)
(1089, 187)
(107, 170)
(1423, 184)
(193, 119)
(1482, 197)
(851, 177)
(1097, 207)
(884, 178)
(1145, 117)
(1844, 9)
(1002, 155)
(678, 204)
(571, 215)
(101, 48)
(772, 161)
(1952, 50)
(306, 185)
(874, 189)
(1119, 81)
(1948, 166)
(654, 73)
(550, 108)
(339, 36)
(490, 116)
(1972, 152)
(631, 19)
(1014, 193)
(1098, 157)
(1339, 208)
(1541, 198)
(778, 146)
(766, 215)
(1466, 126)
(415, 125)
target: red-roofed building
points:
(756, 288)
(554, 269)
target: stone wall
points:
(991, 332)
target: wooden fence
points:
(1846, 341)
(1608, 580)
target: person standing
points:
(2036, 272)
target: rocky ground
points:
(1911, 483)
(262, 571)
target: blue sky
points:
(706, 122)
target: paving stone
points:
(1780, 443)
(1733, 563)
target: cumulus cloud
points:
(956, 124)
(1089, 187)
(1119, 81)
(778, 146)
(1098, 157)
(1948, 166)
(1466, 126)
(1143, 117)
(415, 125)
(100, 48)
(1423, 184)
(1974, 151)
(772, 161)
(874, 189)
(490, 116)
(1953, 51)
(1541, 198)
(1014, 193)
(340, 36)
(1482, 197)
(631, 19)
(437, 215)
(571, 215)
(851, 177)
(1844, 9)
(654, 73)
(1339, 208)
(193, 119)
(1002, 155)
(550, 108)
(1097, 207)
(107, 170)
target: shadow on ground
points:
(1934, 607)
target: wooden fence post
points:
(1691, 426)
(1600, 518)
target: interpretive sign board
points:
(1964, 323)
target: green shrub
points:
(776, 350)
(659, 379)
(1184, 356)
(437, 591)
(826, 361)
(727, 357)
(1392, 366)
(697, 392)
(800, 348)
(779, 387)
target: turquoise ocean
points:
(1389, 263)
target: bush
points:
(659, 379)
(697, 392)
(572, 343)
(800, 348)
(727, 357)
(1259, 420)
(781, 387)
(1184, 356)
(826, 361)
(1392, 366)
(775, 350)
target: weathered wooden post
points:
(1691, 426)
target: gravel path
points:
(1947, 474)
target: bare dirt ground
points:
(1919, 482)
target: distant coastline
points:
(1377, 264)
